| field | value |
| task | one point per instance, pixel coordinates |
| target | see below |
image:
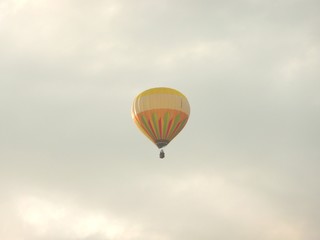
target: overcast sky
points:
(74, 166)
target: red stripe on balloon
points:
(174, 131)
(150, 125)
(160, 127)
(169, 126)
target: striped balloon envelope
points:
(160, 113)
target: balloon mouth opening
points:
(161, 143)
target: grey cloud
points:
(246, 165)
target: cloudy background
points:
(73, 165)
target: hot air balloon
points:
(160, 113)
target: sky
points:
(73, 166)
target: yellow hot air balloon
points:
(160, 113)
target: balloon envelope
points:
(160, 113)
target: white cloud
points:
(47, 219)
(216, 197)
